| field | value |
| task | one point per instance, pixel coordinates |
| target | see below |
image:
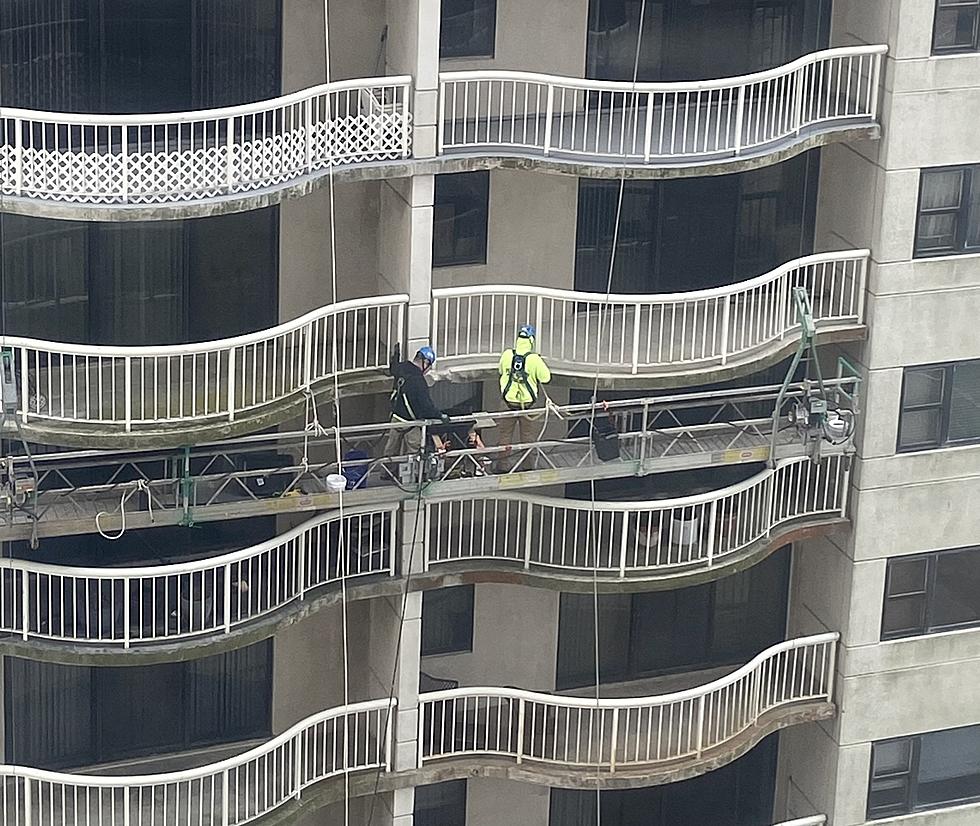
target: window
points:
(441, 804)
(98, 715)
(468, 28)
(940, 405)
(949, 211)
(930, 593)
(447, 620)
(925, 771)
(647, 634)
(957, 26)
(462, 206)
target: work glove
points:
(444, 418)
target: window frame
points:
(463, 648)
(476, 55)
(971, 178)
(455, 259)
(928, 595)
(945, 406)
(942, 5)
(912, 805)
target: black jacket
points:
(410, 397)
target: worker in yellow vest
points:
(522, 372)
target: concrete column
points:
(406, 250)
(406, 746)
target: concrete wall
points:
(919, 311)
(530, 234)
(515, 641)
(494, 802)
(547, 37)
(356, 27)
(304, 247)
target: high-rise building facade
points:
(725, 573)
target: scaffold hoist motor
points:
(814, 415)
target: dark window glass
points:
(462, 206)
(441, 804)
(949, 211)
(58, 716)
(957, 26)
(739, 794)
(136, 56)
(162, 282)
(925, 771)
(642, 635)
(694, 233)
(932, 592)
(467, 28)
(940, 405)
(447, 620)
(701, 39)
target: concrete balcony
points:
(626, 741)
(545, 738)
(91, 395)
(169, 611)
(191, 164)
(596, 128)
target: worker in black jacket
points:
(410, 400)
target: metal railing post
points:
(127, 595)
(739, 119)
(406, 122)
(549, 115)
(308, 117)
(231, 383)
(798, 99)
(831, 670)
(389, 718)
(124, 157)
(298, 761)
(771, 500)
(622, 546)
(528, 522)
(613, 739)
(126, 805)
(230, 153)
(225, 791)
(302, 545)
(128, 383)
(227, 597)
(648, 138)
(19, 155)
(712, 530)
(24, 609)
(520, 729)
(726, 314)
(875, 84)
(25, 393)
(28, 803)
(441, 119)
(635, 366)
(700, 733)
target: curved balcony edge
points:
(186, 610)
(193, 164)
(579, 741)
(585, 741)
(173, 395)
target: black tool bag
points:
(605, 439)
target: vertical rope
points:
(342, 545)
(592, 532)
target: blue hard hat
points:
(527, 331)
(427, 354)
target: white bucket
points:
(336, 483)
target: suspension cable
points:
(342, 545)
(592, 533)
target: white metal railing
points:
(650, 123)
(633, 539)
(170, 158)
(235, 791)
(611, 734)
(162, 603)
(813, 820)
(157, 385)
(639, 332)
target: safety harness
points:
(398, 392)
(518, 373)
